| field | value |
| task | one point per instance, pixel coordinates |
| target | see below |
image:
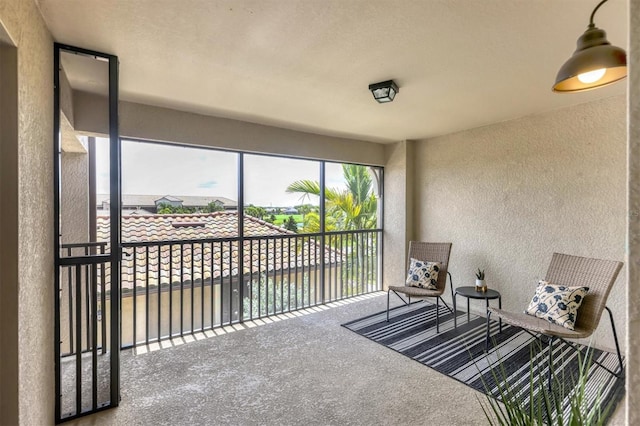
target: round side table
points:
(471, 293)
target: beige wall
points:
(633, 237)
(29, 205)
(74, 198)
(398, 211)
(509, 195)
(163, 124)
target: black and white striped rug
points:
(460, 353)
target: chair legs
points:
(437, 315)
(615, 338)
(488, 329)
(551, 339)
(388, 293)
(409, 303)
(403, 301)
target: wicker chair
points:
(599, 275)
(432, 252)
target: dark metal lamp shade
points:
(595, 63)
(385, 91)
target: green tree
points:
(169, 209)
(350, 209)
(164, 209)
(304, 209)
(255, 211)
(212, 207)
(354, 208)
(290, 224)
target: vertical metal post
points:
(380, 237)
(281, 239)
(56, 224)
(70, 307)
(94, 335)
(322, 230)
(171, 290)
(230, 282)
(289, 273)
(302, 274)
(135, 296)
(159, 275)
(342, 262)
(193, 324)
(211, 281)
(181, 289)
(240, 237)
(78, 283)
(251, 280)
(273, 248)
(103, 304)
(147, 322)
(116, 249)
(221, 266)
(201, 287)
(259, 278)
(295, 296)
(93, 231)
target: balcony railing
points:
(175, 288)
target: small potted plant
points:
(480, 284)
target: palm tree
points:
(354, 208)
(350, 209)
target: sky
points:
(161, 169)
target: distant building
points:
(148, 204)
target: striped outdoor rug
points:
(460, 353)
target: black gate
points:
(87, 305)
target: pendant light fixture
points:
(595, 63)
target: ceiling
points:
(306, 64)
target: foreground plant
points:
(565, 404)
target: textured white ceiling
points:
(306, 64)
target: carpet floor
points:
(461, 354)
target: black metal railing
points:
(175, 288)
(80, 283)
(84, 337)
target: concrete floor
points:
(302, 370)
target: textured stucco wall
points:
(163, 124)
(633, 300)
(34, 208)
(74, 200)
(398, 210)
(66, 98)
(509, 195)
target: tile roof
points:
(281, 250)
(165, 227)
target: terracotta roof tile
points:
(280, 250)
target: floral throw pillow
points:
(423, 274)
(557, 304)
